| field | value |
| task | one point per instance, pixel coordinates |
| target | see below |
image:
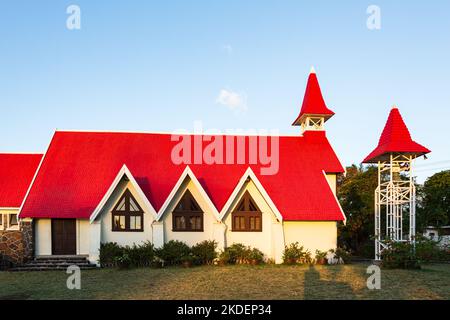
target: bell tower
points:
(314, 112)
(395, 196)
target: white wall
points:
(43, 237)
(321, 235)
(83, 236)
(212, 229)
(331, 178)
(264, 240)
(122, 237)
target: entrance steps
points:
(46, 263)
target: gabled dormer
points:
(314, 112)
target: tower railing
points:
(395, 202)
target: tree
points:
(356, 195)
(434, 196)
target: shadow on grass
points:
(315, 288)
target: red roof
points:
(395, 138)
(313, 103)
(16, 173)
(79, 168)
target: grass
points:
(231, 282)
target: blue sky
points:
(160, 66)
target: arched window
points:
(246, 216)
(187, 215)
(127, 215)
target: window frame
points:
(247, 214)
(127, 213)
(187, 199)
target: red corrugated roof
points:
(395, 138)
(313, 103)
(16, 173)
(79, 167)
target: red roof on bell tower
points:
(313, 103)
(395, 138)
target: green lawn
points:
(231, 282)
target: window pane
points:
(198, 223)
(192, 223)
(1, 219)
(133, 205)
(135, 222)
(252, 223)
(119, 222)
(121, 205)
(258, 223)
(138, 222)
(13, 220)
(180, 222)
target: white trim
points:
(335, 197)
(250, 174)
(9, 208)
(188, 173)
(36, 173)
(124, 171)
(312, 70)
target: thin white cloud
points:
(227, 48)
(232, 100)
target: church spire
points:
(314, 111)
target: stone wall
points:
(17, 246)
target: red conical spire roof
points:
(395, 138)
(313, 103)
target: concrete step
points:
(50, 268)
(55, 263)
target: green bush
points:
(341, 255)
(111, 254)
(295, 253)
(141, 255)
(172, 252)
(240, 254)
(235, 254)
(123, 261)
(255, 256)
(399, 255)
(321, 257)
(108, 254)
(428, 250)
(204, 252)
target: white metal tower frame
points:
(395, 198)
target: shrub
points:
(111, 254)
(428, 250)
(321, 257)
(399, 255)
(224, 257)
(237, 253)
(295, 253)
(204, 252)
(341, 255)
(108, 254)
(240, 254)
(255, 256)
(123, 261)
(141, 255)
(172, 252)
